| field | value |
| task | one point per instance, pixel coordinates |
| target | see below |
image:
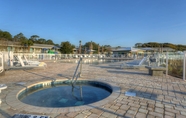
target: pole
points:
(184, 58)
(167, 63)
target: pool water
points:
(65, 96)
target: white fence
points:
(45, 56)
(1, 62)
(160, 58)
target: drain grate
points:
(130, 94)
(29, 116)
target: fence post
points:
(167, 63)
(2, 63)
(11, 57)
(184, 58)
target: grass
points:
(175, 68)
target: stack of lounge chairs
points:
(23, 63)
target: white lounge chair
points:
(28, 66)
(135, 64)
(30, 62)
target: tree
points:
(23, 41)
(107, 48)
(5, 35)
(34, 38)
(66, 48)
(41, 41)
(138, 45)
(49, 42)
(118, 47)
(20, 38)
(57, 45)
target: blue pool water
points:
(63, 96)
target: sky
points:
(106, 22)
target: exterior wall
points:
(18, 48)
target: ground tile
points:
(81, 116)
(93, 116)
(131, 112)
(183, 113)
(150, 116)
(62, 116)
(143, 111)
(159, 110)
(166, 116)
(140, 115)
(180, 116)
(128, 115)
(156, 114)
(109, 115)
(169, 113)
(86, 112)
(124, 107)
(96, 111)
(114, 107)
(72, 114)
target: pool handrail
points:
(73, 80)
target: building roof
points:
(127, 49)
(42, 46)
(18, 44)
(131, 49)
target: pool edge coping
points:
(14, 103)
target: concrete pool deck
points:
(161, 97)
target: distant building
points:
(126, 50)
(16, 47)
(131, 50)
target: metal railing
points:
(76, 76)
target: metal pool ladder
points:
(76, 76)
(74, 79)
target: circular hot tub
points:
(63, 94)
(60, 97)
